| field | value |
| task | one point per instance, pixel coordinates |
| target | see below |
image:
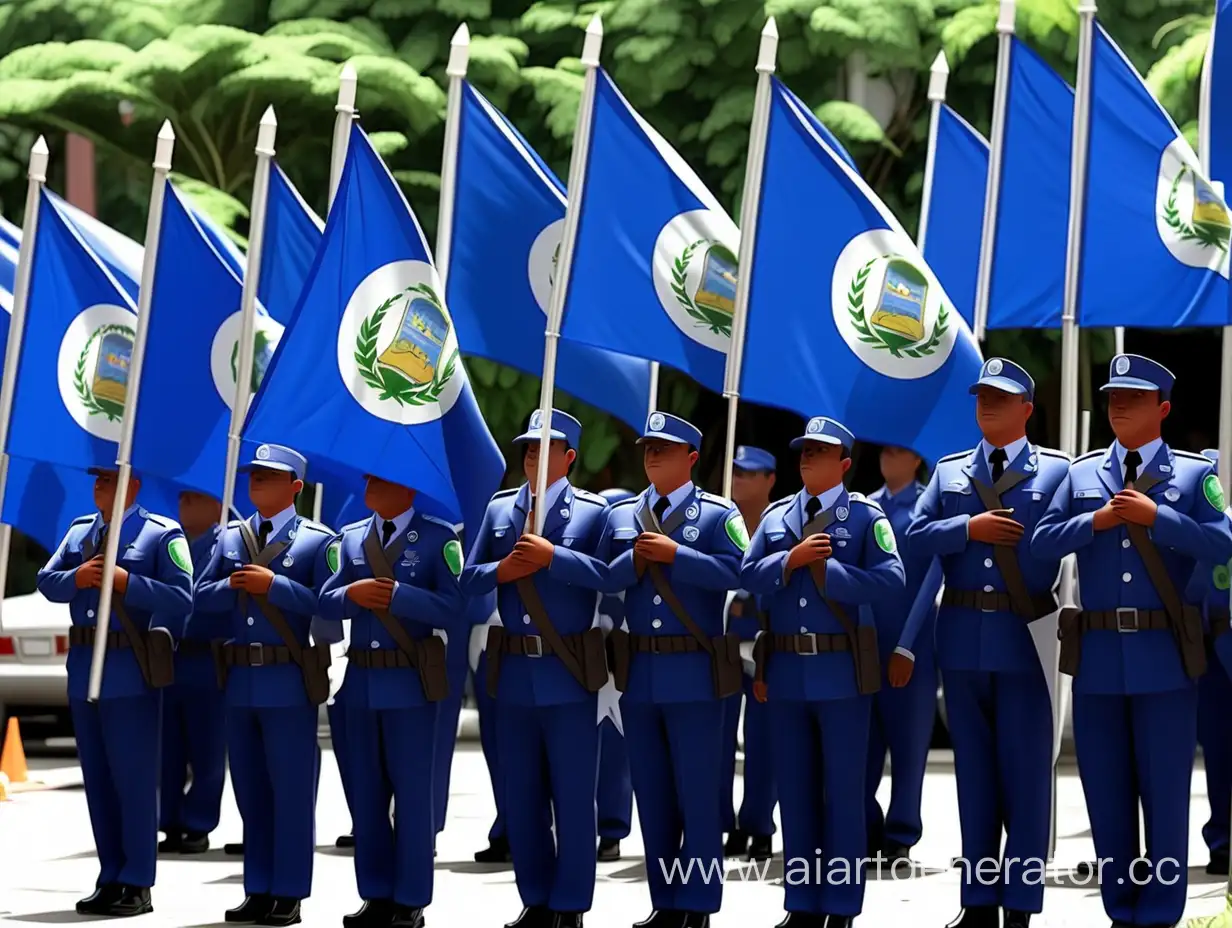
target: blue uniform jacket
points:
(861, 571)
(159, 595)
(426, 597)
(891, 615)
(299, 572)
(711, 537)
(197, 670)
(1188, 528)
(968, 639)
(568, 586)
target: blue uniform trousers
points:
(194, 736)
(338, 738)
(1131, 750)
(550, 757)
(486, 707)
(389, 756)
(274, 768)
(819, 751)
(1001, 728)
(1215, 736)
(446, 740)
(675, 758)
(757, 803)
(615, 794)
(117, 742)
(902, 726)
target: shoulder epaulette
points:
(1193, 457)
(161, 521)
(83, 520)
(1090, 454)
(589, 497)
(954, 457)
(631, 501)
(501, 494)
(235, 523)
(346, 528)
(777, 504)
(1054, 453)
(316, 527)
(861, 498)
(437, 521)
(715, 498)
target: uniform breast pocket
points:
(776, 541)
(955, 499)
(622, 540)
(1087, 499)
(502, 540)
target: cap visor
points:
(661, 436)
(1004, 384)
(265, 465)
(534, 434)
(797, 443)
(1128, 383)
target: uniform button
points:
(988, 589)
(1125, 542)
(657, 623)
(376, 644)
(525, 620)
(803, 602)
(89, 613)
(987, 562)
(803, 629)
(658, 600)
(250, 620)
(1127, 576)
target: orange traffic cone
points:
(13, 757)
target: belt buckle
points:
(1122, 625)
(811, 638)
(538, 645)
(256, 655)
(988, 598)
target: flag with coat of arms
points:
(368, 375)
(292, 236)
(845, 319)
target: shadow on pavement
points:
(55, 918)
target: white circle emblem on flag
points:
(225, 351)
(92, 368)
(397, 349)
(889, 306)
(694, 271)
(542, 261)
(1191, 216)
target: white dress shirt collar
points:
(278, 522)
(400, 523)
(827, 499)
(1012, 450)
(1148, 452)
(675, 499)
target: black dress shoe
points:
(696, 920)
(345, 841)
(172, 843)
(837, 921)
(977, 916)
(497, 852)
(374, 913)
(132, 900)
(761, 847)
(284, 911)
(251, 910)
(662, 918)
(896, 858)
(737, 844)
(566, 920)
(609, 850)
(802, 920)
(533, 916)
(1015, 919)
(406, 916)
(234, 850)
(194, 842)
(1219, 863)
(97, 902)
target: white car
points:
(33, 646)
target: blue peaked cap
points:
(1004, 375)
(1134, 372)
(277, 457)
(671, 428)
(754, 459)
(827, 431)
(564, 428)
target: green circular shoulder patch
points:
(177, 549)
(883, 532)
(331, 556)
(1221, 577)
(737, 531)
(1212, 489)
(453, 556)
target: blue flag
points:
(508, 218)
(654, 265)
(368, 375)
(1219, 80)
(10, 244)
(892, 360)
(1027, 286)
(292, 236)
(820, 128)
(1155, 232)
(119, 254)
(956, 210)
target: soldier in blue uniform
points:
(675, 552)
(614, 794)
(194, 711)
(395, 577)
(902, 724)
(817, 561)
(976, 517)
(1140, 516)
(545, 664)
(266, 573)
(750, 834)
(117, 737)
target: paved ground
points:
(47, 863)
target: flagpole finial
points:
(162, 150)
(459, 52)
(39, 156)
(1005, 18)
(1087, 8)
(346, 88)
(266, 131)
(938, 78)
(594, 41)
(769, 50)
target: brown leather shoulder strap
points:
(262, 558)
(1154, 564)
(664, 588)
(1005, 556)
(135, 636)
(543, 625)
(377, 560)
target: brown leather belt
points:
(664, 644)
(1044, 603)
(378, 658)
(256, 655)
(1219, 621)
(536, 645)
(83, 636)
(1125, 620)
(190, 647)
(808, 644)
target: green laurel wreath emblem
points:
(392, 385)
(260, 340)
(896, 345)
(1205, 234)
(719, 323)
(93, 405)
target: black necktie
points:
(387, 532)
(997, 459)
(263, 533)
(1133, 460)
(100, 546)
(660, 509)
(811, 508)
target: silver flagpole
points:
(37, 176)
(459, 58)
(938, 78)
(248, 304)
(992, 192)
(654, 388)
(750, 203)
(162, 165)
(1225, 375)
(556, 305)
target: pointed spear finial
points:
(346, 88)
(938, 78)
(266, 131)
(162, 150)
(768, 52)
(594, 42)
(39, 156)
(1005, 17)
(459, 52)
